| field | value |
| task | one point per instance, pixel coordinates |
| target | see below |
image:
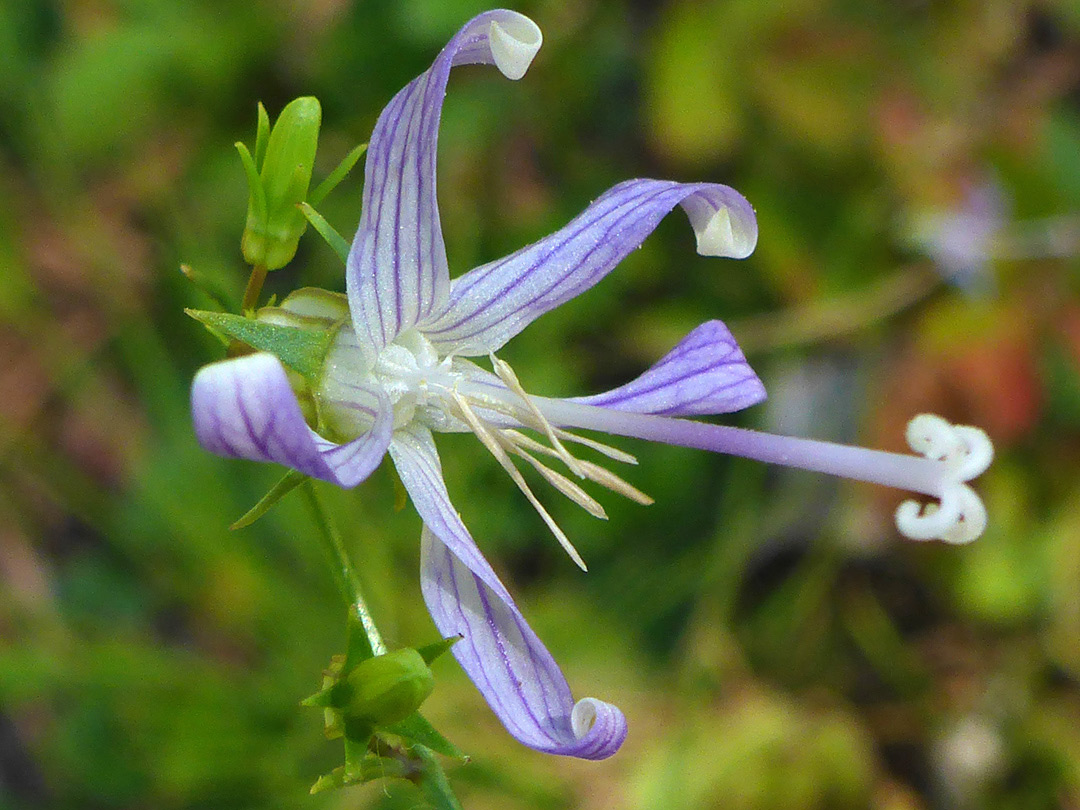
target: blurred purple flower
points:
(965, 241)
(397, 372)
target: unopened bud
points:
(278, 180)
(388, 688)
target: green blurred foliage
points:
(773, 642)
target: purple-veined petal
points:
(504, 658)
(397, 272)
(417, 462)
(245, 408)
(491, 304)
(510, 665)
(705, 373)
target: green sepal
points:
(367, 769)
(334, 239)
(429, 652)
(302, 350)
(262, 135)
(337, 175)
(256, 192)
(332, 697)
(417, 730)
(290, 481)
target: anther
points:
(556, 479)
(614, 453)
(594, 472)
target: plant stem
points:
(254, 287)
(344, 574)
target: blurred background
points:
(915, 166)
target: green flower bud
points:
(387, 688)
(278, 180)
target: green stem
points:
(254, 287)
(344, 574)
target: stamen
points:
(614, 453)
(594, 472)
(489, 441)
(509, 378)
(556, 479)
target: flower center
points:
(402, 371)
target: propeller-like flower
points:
(396, 372)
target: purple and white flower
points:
(397, 372)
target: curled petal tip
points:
(514, 43)
(600, 726)
(724, 223)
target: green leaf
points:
(302, 350)
(291, 480)
(262, 134)
(429, 652)
(337, 175)
(417, 729)
(327, 232)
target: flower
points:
(397, 372)
(964, 241)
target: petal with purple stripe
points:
(491, 304)
(397, 272)
(245, 408)
(705, 373)
(509, 664)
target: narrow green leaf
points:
(208, 286)
(291, 480)
(368, 769)
(262, 135)
(302, 350)
(418, 730)
(327, 232)
(255, 187)
(429, 652)
(337, 175)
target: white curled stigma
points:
(960, 516)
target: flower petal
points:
(705, 373)
(491, 304)
(245, 408)
(397, 272)
(504, 658)
(509, 664)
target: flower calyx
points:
(373, 703)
